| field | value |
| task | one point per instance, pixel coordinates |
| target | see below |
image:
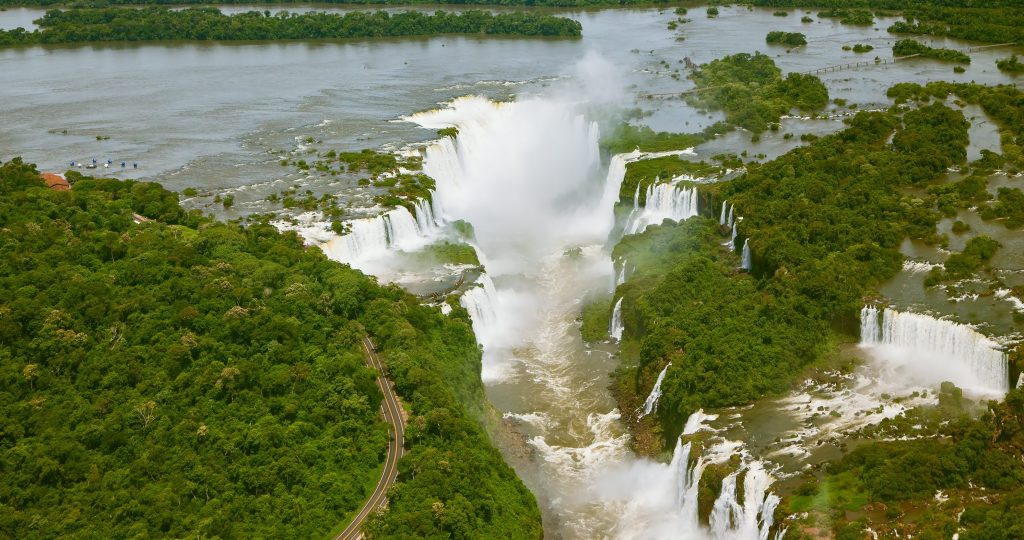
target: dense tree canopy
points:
(202, 24)
(824, 224)
(184, 377)
(752, 92)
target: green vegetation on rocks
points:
(628, 138)
(184, 377)
(1010, 65)
(976, 463)
(1009, 206)
(751, 91)
(977, 252)
(640, 174)
(847, 16)
(911, 47)
(791, 39)
(209, 24)
(1003, 103)
(824, 223)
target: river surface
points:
(528, 176)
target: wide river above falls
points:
(218, 117)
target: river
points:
(527, 174)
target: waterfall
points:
(933, 350)
(395, 229)
(620, 276)
(425, 218)
(664, 201)
(870, 331)
(745, 259)
(687, 483)
(725, 206)
(480, 302)
(651, 403)
(755, 517)
(732, 219)
(726, 510)
(615, 326)
(732, 239)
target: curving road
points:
(393, 415)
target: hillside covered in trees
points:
(184, 377)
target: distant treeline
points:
(549, 3)
(206, 24)
(998, 21)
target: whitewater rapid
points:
(527, 175)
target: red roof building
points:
(56, 181)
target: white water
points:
(651, 403)
(479, 301)
(745, 259)
(664, 201)
(527, 176)
(926, 350)
(671, 490)
(620, 276)
(371, 237)
(615, 326)
(722, 218)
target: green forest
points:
(910, 47)
(752, 92)
(975, 461)
(209, 24)
(824, 223)
(184, 377)
(998, 21)
(791, 39)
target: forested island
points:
(823, 224)
(166, 374)
(209, 24)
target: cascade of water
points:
(696, 421)
(870, 329)
(755, 517)
(687, 483)
(425, 221)
(745, 259)
(615, 327)
(480, 302)
(933, 348)
(732, 239)
(664, 201)
(620, 276)
(732, 219)
(726, 510)
(651, 403)
(725, 206)
(394, 229)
